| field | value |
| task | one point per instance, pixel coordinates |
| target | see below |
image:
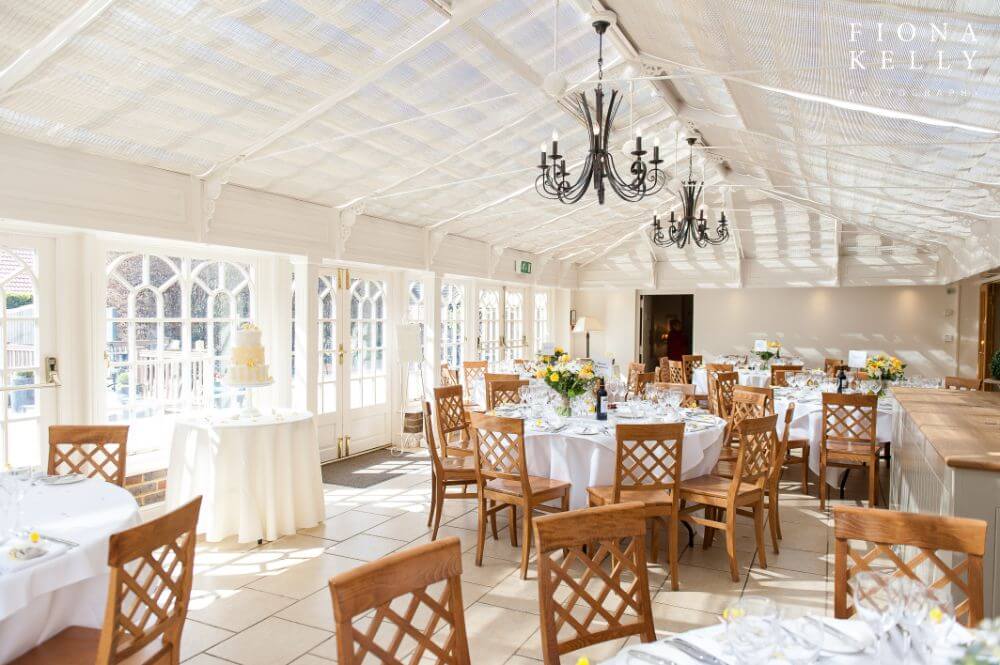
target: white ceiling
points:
(430, 113)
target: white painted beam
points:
(51, 44)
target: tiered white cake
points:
(247, 366)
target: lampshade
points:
(587, 324)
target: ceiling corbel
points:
(496, 253)
(432, 244)
(348, 217)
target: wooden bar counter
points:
(946, 461)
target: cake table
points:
(259, 477)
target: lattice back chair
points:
(675, 373)
(648, 469)
(719, 367)
(915, 545)
(832, 365)
(723, 384)
(416, 596)
(633, 369)
(757, 451)
(849, 439)
(472, 372)
(452, 423)
(743, 404)
(604, 572)
(448, 472)
(689, 361)
(503, 481)
(449, 376)
(686, 389)
(641, 379)
(96, 451)
(712, 370)
(664, 366)
(959, 383)
(151, 568)
(779, 372)
(503, 392)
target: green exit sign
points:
(523, 267)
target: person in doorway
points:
(677, 343)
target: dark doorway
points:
(656, 313)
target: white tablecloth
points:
(589, 460)
(808, 424)
(69, 589)
(259, 479)
(759, 378)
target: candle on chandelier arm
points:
(555, 142)
(543, 155)
(638, 138)
(656, 149)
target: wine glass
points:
(751, 630)
(874, 602)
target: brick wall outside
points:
(149, 487)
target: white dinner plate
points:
(69, 479)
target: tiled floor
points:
(269, 604)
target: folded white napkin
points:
(11, 565)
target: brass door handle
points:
(340, 354)
(347, 445)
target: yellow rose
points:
(554, 378)
(558, 351)
(540, 374)
(564, 358)
(586, 374)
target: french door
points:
(352, 398)
(500, 323)
(27, 331)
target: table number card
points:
(760, 345)
(857, 358)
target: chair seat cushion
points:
(651, 497)
(537, 484)
(712, 485)
(74, 646)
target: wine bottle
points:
(602, 401)
(841, 380)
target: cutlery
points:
(694, 651)
(648, 658)
(62, 541)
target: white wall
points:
(815, 323)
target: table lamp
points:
(587, 325)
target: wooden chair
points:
(473, 371)
(719, 367)
(641, 379)
(520, 362)
(923, 537)
(729, 497)
(691, 398)
(849, 439)
(407, 609)
(768, 394)
(490, 377)
(633, 369)
(446, 472)
(720, 392)
(151, 569)
(648, 472)
(452, 422)
(832, 365)
(743, 404)
(503, 392)
(778, 378)
(96, 451)
(663, 366)
(789, 444)
(599, 590)
(689, 361)
(449, 376)
(502, 477)
(958, 383)
(675, 372)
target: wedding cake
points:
(247, 366)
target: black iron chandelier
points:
(689, 229)
(553, 182)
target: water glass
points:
(752, 630)
(876, 605)
(801, 640)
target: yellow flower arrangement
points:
(885, 367)
(554, 377)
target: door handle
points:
(340, 354)
(347, 445)
(340, 446)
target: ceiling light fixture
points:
(599, 167)
(689, 229)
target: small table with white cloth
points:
(68, 586)
(259, 478)
(759, 378)
(588, 460)
(807, 423)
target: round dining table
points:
(588, 459)
(68, 586)
(807, 423)
(759, 378)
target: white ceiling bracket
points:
(496, 253)
(432, 244)
(348, 218)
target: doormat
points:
(375, 467)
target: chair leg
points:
(772, 522)
(734, 569)
(526, 542)
(438, 509)
(481, 531)
(512, 526)
(709, 536)
(758, 527)
(672, 553)
(872, 479)
(430, 509)
(843, 482)
(822, 481)
(654, 539)
(805, 469)
(493, 521)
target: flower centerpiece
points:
(773, 350)
(569, 378)
(884, 367)
(550, 358)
